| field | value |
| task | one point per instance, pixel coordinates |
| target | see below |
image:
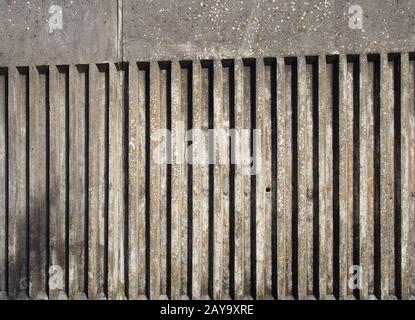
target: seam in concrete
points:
(120, 44)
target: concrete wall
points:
(87, 211)
(105, 30)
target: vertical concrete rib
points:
(116, 188)
(155, 180)
(345, 174)
(304, 183)
(239, 183)
(269, 151)
(3, 183)
(325, 168)
(18, 183)
(220, 157)
(178, 198)
(58, 264)
(227, 178)
(97, 182)
(196, 183)
(261, 154)
(386, 176)
(38, 207)
(77, 87)
(365, 174)
(161, 147)
(283, 178)
(137, 199)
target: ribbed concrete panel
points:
(91, 208)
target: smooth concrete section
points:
(88, 34)
(388, 26)
(188, 29)
(230, 28)
(242, 28)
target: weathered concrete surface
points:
(89, 32)
(201, 234)
(233, 28)
(158, 29)
(86, 211)
(387, 26)
(230, 28)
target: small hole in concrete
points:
(268, 189)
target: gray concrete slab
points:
(189, 29)
(89, 32)
(388, 26)
(162, 29)
(229, 28)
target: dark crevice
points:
(356, 163)
(45, 72)
(106, 178)
(208, 65)
(4, 73)
(375, 60)
(230, 65)
(65, 71)
(292, 62)
(86, 175)
(166, 67)
(334, 60)
(316, 208)
(145, 67)
(250, 63)
(126, 104)
(396, 58)
(186, 65)
(25, 71)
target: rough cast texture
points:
(95, 31)
(87, 211)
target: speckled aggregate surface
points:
(157, 29)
